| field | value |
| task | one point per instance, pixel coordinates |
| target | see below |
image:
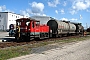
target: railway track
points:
(9, 44)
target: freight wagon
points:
(60, 28)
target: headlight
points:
(50, 31)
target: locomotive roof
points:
(27, 19)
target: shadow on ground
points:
(8, 39)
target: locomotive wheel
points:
(50, 35)
(16, 39)
(60, 36)
(27, 38)
(56, 35)
(41, 36)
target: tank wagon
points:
(88, 29)
(28, 28)
(79, 28)
(60, 28)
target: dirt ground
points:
(69, 51)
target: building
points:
(42, 19)
(7, 18)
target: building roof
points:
(12, 13)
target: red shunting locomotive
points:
(28, 28)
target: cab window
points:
(28, 23)
(33, 24)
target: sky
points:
(69, 10)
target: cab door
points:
(35, 30)
(32, 28)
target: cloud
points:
(53, 3)
(73, 12)
(44, 15)
(73, 19)
(80, 16)
(64, 19)
(79, 5)
(2, 8)
(64, 4)
(62, 11)
(9, 11)
(29, 11)
(56, 11)
(37, 7)
(88, 10)
(24, 13)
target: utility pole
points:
(3, 27)
(86, 26)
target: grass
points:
(11, 52)
(74, 39)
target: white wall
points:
(12, 18)
(7, 18)
(3, 21)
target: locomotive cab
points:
(21, 28)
